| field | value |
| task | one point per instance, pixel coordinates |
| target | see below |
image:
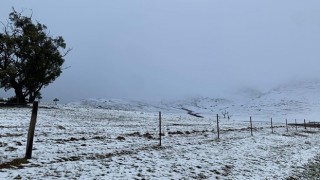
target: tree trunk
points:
(32, 97)
(19, 95)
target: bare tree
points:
(224, 113)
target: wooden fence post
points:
(271, 126)
(31, 130)
(251, 126)
(160, 128)
(287, 125)
(218, 129)
(305, 125)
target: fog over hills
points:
(292, 100)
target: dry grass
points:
(16, 163)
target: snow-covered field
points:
(95, 143)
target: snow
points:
(81, 143)
(118, 139)
(297, 100)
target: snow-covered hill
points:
(298, 99)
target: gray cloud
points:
(170, 49)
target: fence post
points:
(287, 125)
(159, 128)
(305, 125)
(251, 126)
(218, 129)
(31, 130)
(271, 126)
(296, 124)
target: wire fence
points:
(84, 132)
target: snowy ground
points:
(85, 143)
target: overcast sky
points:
(142, 49)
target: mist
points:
(154, 50)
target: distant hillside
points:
(298, 99)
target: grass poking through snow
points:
(16, 163)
